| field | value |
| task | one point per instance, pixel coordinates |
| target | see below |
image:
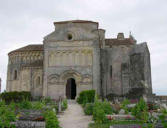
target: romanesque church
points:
(76, 56)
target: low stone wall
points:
(29, 124)
(133, 126)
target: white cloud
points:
(26, 22)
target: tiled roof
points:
(75, 21)
(33, 47)
(126, 41)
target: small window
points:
(111, 71)
(69, 36)
(15, 75)
(38, 80)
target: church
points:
(76, 56)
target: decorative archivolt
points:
(71, 58)
(87, 79)
(53, 79)
(63, 77)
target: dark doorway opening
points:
(71, 89)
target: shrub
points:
(124, 105)
(25, 104)
(51, 119)
(7, 115)
(89, 108)
(100, 110)
(162, 117)
(107, 107)
(86, 97)
(98, 113)
(48, 100)
(38, 105)
(140, 109)
(64, 104)
(15, 96)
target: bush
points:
(64, 104)
(51, 119)
(15, 96)
(100, 110)
(124, 105)
(162, 117)
(48, 100)
(7, 115)
(86, 97)
(89, 108)
(38, 105)
(25, 105)
(98, 113)
(107, 107)
(140, 109)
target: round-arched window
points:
(69, 36)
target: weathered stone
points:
(31, 115)
(78, 51)
(122, 111)
(29, 124)
(131, 106)
(121, 117)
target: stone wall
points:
(78, 58)
(23, 70)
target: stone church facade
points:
(76, 56)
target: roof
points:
(33, 47)
(75, 21)
(126, 41)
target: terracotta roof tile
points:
(33, 47)
(126, 41)
(75, 21)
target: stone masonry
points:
(76, 56)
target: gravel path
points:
(74, 117)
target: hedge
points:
(15, 96)
(86, 96)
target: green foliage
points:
(100, 110)
(7, 115)
(162, 117)
(89, 108)
(64, 104)
(140, 109)
(38, 105)
(51, 119)
(15, 96)
(107, 107)
(25, 104)
(86, 97)
(124, 105)
(48, 100)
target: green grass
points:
(107, 125)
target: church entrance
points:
(71, 89)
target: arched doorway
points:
(71, 89)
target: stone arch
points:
(53, 79)
(70, 74)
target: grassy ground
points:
(107, 125)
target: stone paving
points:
(74, 117)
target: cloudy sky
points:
(23, 22)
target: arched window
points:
(15, 75)
(38, 80)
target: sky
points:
(24, 22)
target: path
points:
(74, 117)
